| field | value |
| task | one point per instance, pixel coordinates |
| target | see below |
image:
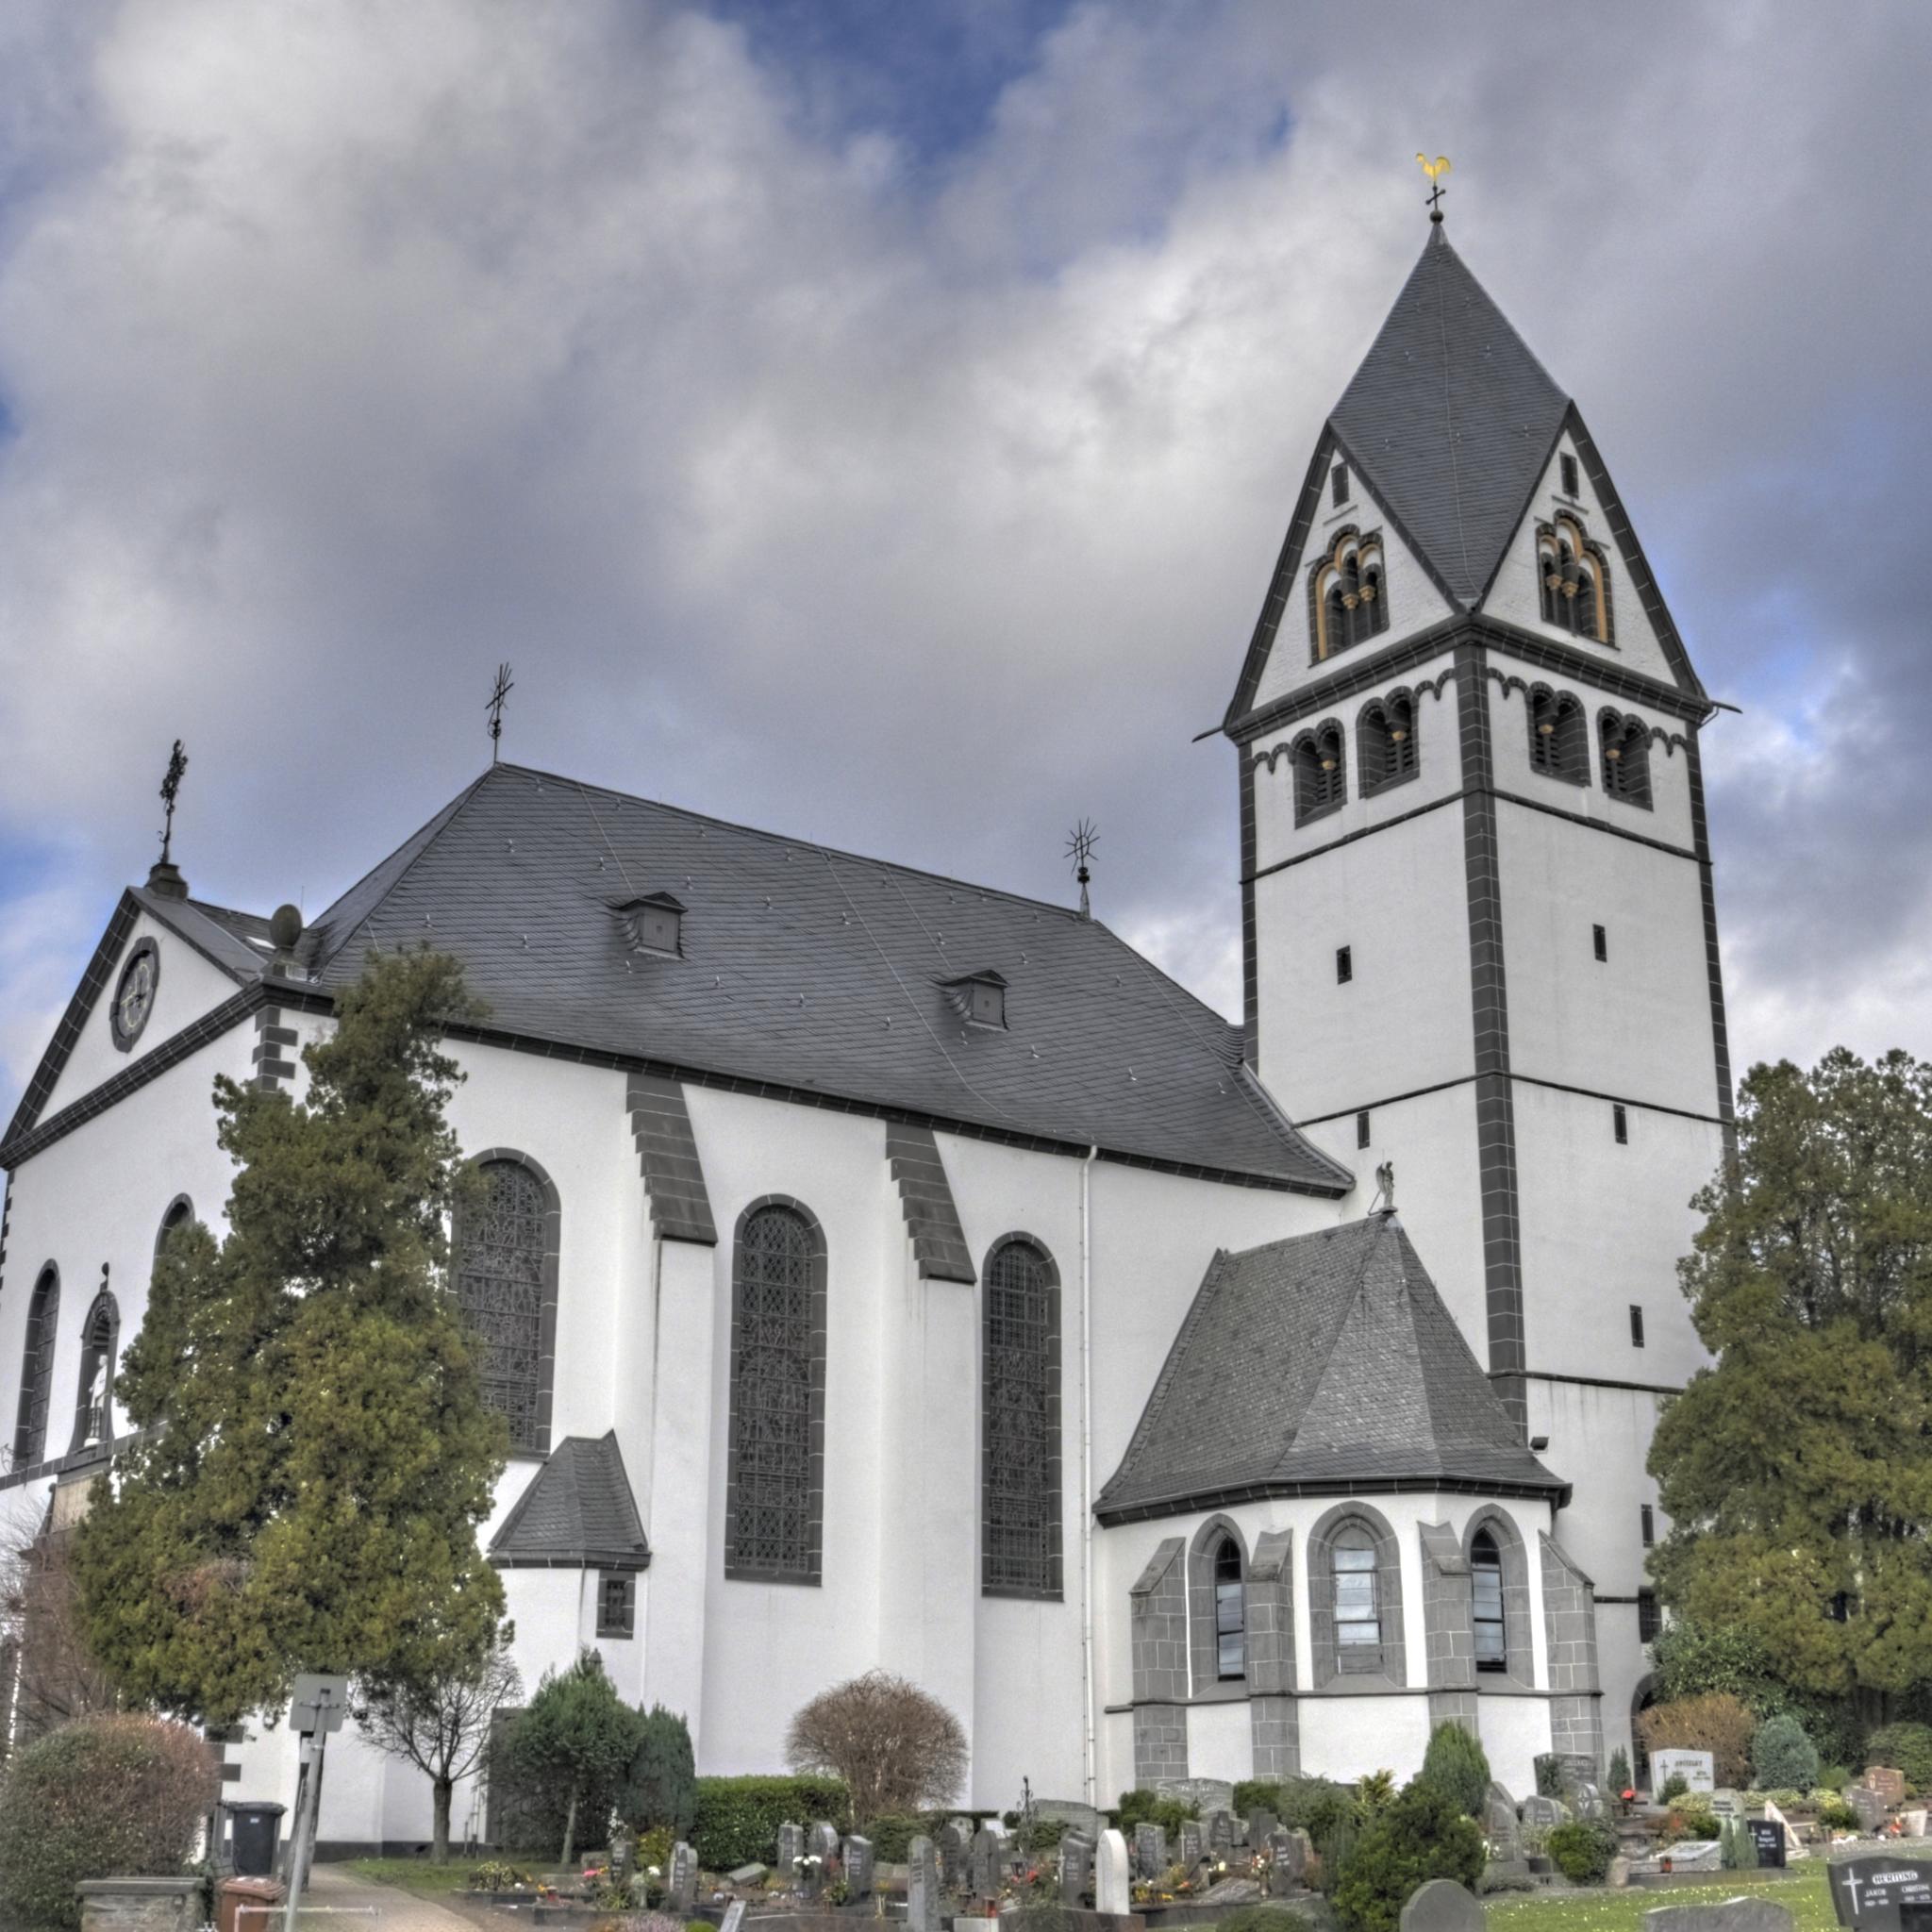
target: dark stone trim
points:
(1185, 1502)
(1518, 1649)
(219, 1019)
(927, 1205)
(735, 1570)
(1604, 1382)
(674, 1190)
(1720, 1031)
(552, 1244)
(581, 1559)
(1050, 1477)
(1681, 1113)
(1489, 999)
(1206, 1684)
(36, 1405)
(1251, 959)
(140, 949)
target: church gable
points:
(1349, 582)
(1574, 572)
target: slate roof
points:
(1451, 419)
(1324, 1363)
(578, 1513)
(815, 972)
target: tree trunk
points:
(570, 1829)
(439, 1830)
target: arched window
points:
(1321, 771)
(1558, 746)
(1230, 1614)
(776, 1483)
(37, 1369)
(100, 1340)
(1358, 1605)
(506, 1278)
(1348, 597)
(1486, 1595)
(1354, 1598)
(1020, 1424)
(1385, 736)
(180, 1212)
(1627, 757)
(1217, 1606)
(1573, 579)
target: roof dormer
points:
(652, 923)
(979, 998)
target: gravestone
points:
(1589, 1801)
(859, 1868)
(1076, 1869)
(921, 1886)
(1697, 1855)
(623, 1846)
(1725, 1803)
(1442, 1906)
(1618, 1876)
(1286, 1862)
(1193, 1844)
(1233, 1891)
(1733, 1915)
(1150, 1851)
(1260, 1824)
(1698, 1769)
(822, 1842)
(1793, 1845)
(1071, 1812)
(952, 1845)
(1872, 1809)
(1888, 1784)
(1220, 1824)
(790, 1849)
(1113, 1891)
(747, 1874)
(1768, 1840)
(1499, 1823)
(1545, 1813)
(734, 1917)
(1879, 1891)
(1914, 1822)
(681, 1885)
(1205, 1795)
(987, 1862)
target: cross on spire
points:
(1080, 845)
(171, 790)
(1435, 170)
(499, 691)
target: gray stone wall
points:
(1202, 1642)
(1276, 1735)
(1157, 1629)
(1569, 1631)
(1447, 1632)
(1161, 1743)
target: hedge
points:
(1905, 1747)
(738, 1818)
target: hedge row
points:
(738, 1818)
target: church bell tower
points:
(1479, 934)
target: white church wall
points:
(1347, 1738)
(1402, 1021)
(1516, 595)
(1599, 1440)
(1624, 1663)
(1414, 601)
(1221, 1741)
(1515, 1731)
(1637, 1025)
(188, 986)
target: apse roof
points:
(1451, 419)
(1323, 1363)
(578, 1513)
(813, 973)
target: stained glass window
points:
(1486, 1590)
(37, 1369)
(1021, 1423)
(776, 1364)
(500, 1251)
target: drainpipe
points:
(1088, 1744)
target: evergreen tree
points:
(578, 1739)
(316, 1455)
(1457, 1766)
(662, 1792)
(1796, 1471)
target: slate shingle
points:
(1323, 1363)
(579, 1513)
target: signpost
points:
(317, 1705)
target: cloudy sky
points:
(877, 421)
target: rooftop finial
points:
(1435, 170)
(499, 691)
(1080, 845)
(162, 876)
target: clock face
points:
(134, 998)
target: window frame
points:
(1486, 1590)
(1345, 965)
(741, 1563)
(1623, 744)
(100, 1348)
(625, 1623)
(1320, 789)
(1600, 944)
(1354, 565)
(998, 1577)
(1637, 1324)
(1387, 751)
(1565, 553)
(546, 1283)
(1211, 1595)
(1333, 1664)
(1561, 751)
(39, 1341)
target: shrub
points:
(104, 1797)
(896, 1748)
(1834, 1814)
(1675, 1788)
(1333, 1853)
(1906, 1747)
(1313, 1805)
(1420, 1836)
(1375, 1791)
(1619, 1771)
(662, 1787)
(1261, 1919)
(1716, 1721)
(1456, 1765)
(892, 1835)
(1834, 1777)
(1781, 1753)
(1549, 1777)
(1583, 1850)
(1497, 1878)
(1155, 1808)
(571, 1751)
(738, 1818)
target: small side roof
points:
(579, 1514)
(1322, 1364)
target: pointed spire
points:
(1450, 420)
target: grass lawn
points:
(1803, 1888)
(419, 1874)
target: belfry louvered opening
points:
(1386, 741)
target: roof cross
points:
(1435, 170)
(171, 790)
(1080, 845)
(499, 691)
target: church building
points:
(881, 1270)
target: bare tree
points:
(442, 1726)
(897, 1748)
(42, 1634)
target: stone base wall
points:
(1160, 1743)
(140, 1905)
(1275, 1726)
